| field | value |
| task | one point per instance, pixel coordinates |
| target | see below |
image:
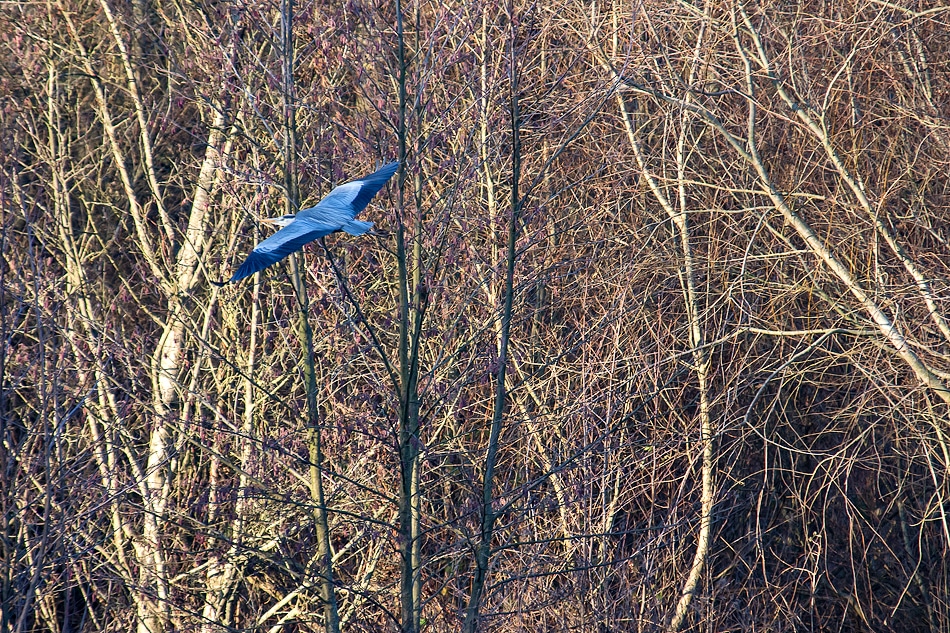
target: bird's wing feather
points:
(357, 227)
(283, 243)
(336, 207)
(370, 185)
(346, 201)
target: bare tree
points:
(651, 333)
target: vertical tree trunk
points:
(483, 548)
(305, 333)
(410, 324)
(697, 341)
(222, 576)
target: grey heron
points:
(336, 212)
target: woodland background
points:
(651, 333)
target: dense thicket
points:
(712, 395)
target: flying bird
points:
(336, 212)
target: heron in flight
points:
(336, 212)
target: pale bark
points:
(144, 137)
(746, 150)
(857, 187)
(178, 279)
(221, 579)
(105, 116)
(701, 365)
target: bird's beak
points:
(270, 220)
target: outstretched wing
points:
(343, 203)
(370, 185)
(283, 243)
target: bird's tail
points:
(357, 227)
